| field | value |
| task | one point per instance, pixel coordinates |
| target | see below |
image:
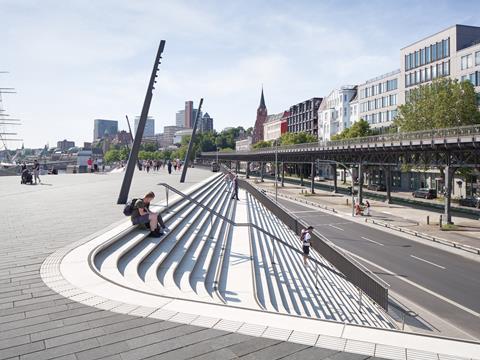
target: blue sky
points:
(74, 61)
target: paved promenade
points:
(37, 323)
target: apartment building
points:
(334, 112)
(303, 117)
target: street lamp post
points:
(217, 154)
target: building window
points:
(427, 73)
(427, 55)
(440, 69)
(434, 52)
(467, 61)
(439, 50)
(477, 58)
(422, 56)
(434, 72)
(393, 99)
(446, 68)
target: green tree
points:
(297, 138)
(360, 128)
(442, 104)
(112, 156)
(262, 144)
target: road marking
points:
(386, 212)
(441, 297)
(336, 227)
(429, 262)
(373, 241)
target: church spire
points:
(262, 101)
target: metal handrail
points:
(231, 222)
(414, 135)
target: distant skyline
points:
(76, 61)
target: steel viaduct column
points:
(312, 174)
(247, 171)
(360, 183)
(261, 171)
(448, 192)
(388, 183)
(283, 174)
(334, 169)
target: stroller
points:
(27, 177)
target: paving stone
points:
(276, 351)
(19, 340)
(21, 349)
(252, 345)
(63, 330)
(61, 350)
(205, 347)
(169, 345)
(311, 353)
(73, 337)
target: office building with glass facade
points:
(436, 56)
(468, 65)
(378, 99)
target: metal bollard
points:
(347, 202)
(428, 220)
(440, 221)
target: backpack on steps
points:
(129, 207)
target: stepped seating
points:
(208, 259)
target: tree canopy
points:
(360, 128)
(442, 104)
(297, 138)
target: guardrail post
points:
(166, 195)
(273, 251)
(360, 301)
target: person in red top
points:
(89, 164)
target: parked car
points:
(377, 187)
(425, 193)
(215, 167)
(472, 201)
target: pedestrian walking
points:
(305, 238)
(235, 187)
(367, 208)
(89, 165)
(36, 171)
(169, 166)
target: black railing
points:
(352, 270)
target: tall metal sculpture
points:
(131, 138)
(132, 159)
(190, 144)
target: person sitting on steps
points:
(143, 216)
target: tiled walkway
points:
(37, 323)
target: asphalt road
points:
(446, 284)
